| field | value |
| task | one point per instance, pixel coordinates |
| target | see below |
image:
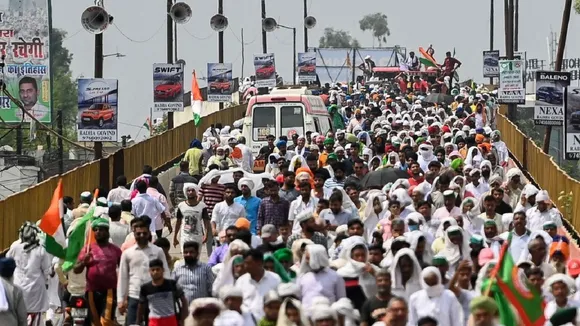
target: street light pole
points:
(264, 34)
(293, 48)
(169, 52)
(221, 43)
(305, 29)
(98, 146)
(491, 29)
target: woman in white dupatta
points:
(375, 211)
(474, 157)
(469, 212)
(405, 274)
(419, 244)
(402, 196)
(296, 317)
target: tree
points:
(577, 6)
(64, 92)
(377, 24)
(337, 39)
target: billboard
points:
(220, 82)
(549, 106)
(167, 87)
(97, 117)
(511, 82)
(572, 123)
(306, 67)
(24, 41)
(491, 63)
(265, 67)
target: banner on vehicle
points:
(24, 40)
(307, 67)
(511, 82)
(167, 87)
(220, 82)
(549, 107)
(572, 123)
(491, 63)
(97, 116)
(265, 70)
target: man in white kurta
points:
(435, 301)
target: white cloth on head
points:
(356, 269)
(455, 253)
(225, 276)
(283, 318)
(191, 185)
(345, 308)
(246, 182)
(413, 284)
(413, 238)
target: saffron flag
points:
(513, 284)
(51, 224)
(196, 100)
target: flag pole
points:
(150, 122)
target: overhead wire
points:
(240, 41)
(141, 41)
(194, 36)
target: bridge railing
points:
(541, 167)
(160, 151)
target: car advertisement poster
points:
(511, 82)
(265, 70)
(167, 87)
(307, 67)
(491, 64)
(220, 82)
(24, 41)
(549, 107)
(572, 125)
(97, 117)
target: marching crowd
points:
(394, 218)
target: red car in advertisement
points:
(307, 69)
(168, 90)
(220, 85)
(265, 71)
(97, 114)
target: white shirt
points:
(519, 246)
(254, 292)
(552, 307)
(536, 219)
(477, 191)
(134, 269)
(445, 308)
(31, 274)
(298, 206)
(225, 215)
(325, 283)
(118, 194)
(144, 204)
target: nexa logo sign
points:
(167, 69)
(552, 76)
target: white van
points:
(284, 112)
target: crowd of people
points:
(395, 217)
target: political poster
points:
(572, 123)
(265, 70)
(24, 40)
(549, 106)
(97, 117)
(511, 82)
(491, 64)
(220, 82)
(167, 87)
(306, 67)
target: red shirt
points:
(102, 270)
(449, 64)
(402, 85)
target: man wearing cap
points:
(250, 203)
(484, 312)
(305, 221)
(449, 209)
(83, 208)
(100, 258)
(476, 187)
(270, 241)
(489, 205)
(543, 212)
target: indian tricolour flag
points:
(51, 224)
(196, 100)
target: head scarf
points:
(201, 303)
(191, 185)
(414, 283)
(195, 144)
(413, 238)
(283, 318)
(454, 253)
(225, 275)
(278, 268)
(29, 235)
(100, 223)
(345, 308)
(435, 290)
(283, 254)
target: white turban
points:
(230, 291)
(323, 313)
(304, 216)
(246, 182)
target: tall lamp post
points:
(270, 25)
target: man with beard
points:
(538, 250)
(193, 276)
(100, 258)
(520, 235)
(356, 121)
(269, 148)
(312, 163)
(317, 279)
(339, 176)
(134, 271)
(375, 308)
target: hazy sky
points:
(139, 33)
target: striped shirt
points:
(212, 194)
(317, 238)
(196, 281)
(332, 183)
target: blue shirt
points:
(252, 206)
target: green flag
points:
(515, 287)
(76, 240)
